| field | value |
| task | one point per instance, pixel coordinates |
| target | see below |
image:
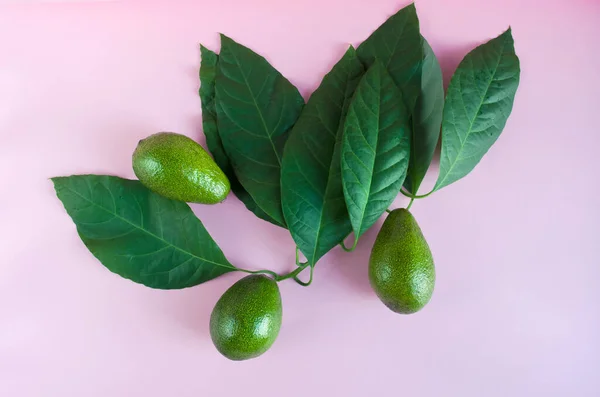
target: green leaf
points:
(251, 205)
(208, 71)
(397, 44)
(375, 148)
(139, 234)
(479, 100)
(427, 120)
(256, 108)
(311, 182)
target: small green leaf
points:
(256, 108)
(397, 44)
(479, 100)
(427, 120)
(311, 182)
(208, 71)
(375, 148)
(139, 234)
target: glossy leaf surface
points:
(479, 100)
(397, 44)
(312, 194)
(426, 118)
(139, 234)
(256, 108)
(375, 149)
(208, 72)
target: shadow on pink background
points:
(516, 309)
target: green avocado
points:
(401, 269)
(246, 320)
(178, 168)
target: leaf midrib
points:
(378, 116)
(262, 118)
(472, 122)
(147, 231)
(329, 177)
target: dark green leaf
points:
(311, 183)
(397, 44)
(479, 100)
(139, 234)
(256, 108)
(375, 148)
(427, 120)
(251, 205)
(208, 71)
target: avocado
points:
(246, 320)
(401, 269)
(178, 168)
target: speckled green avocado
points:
(246, 320)
(178, 168)
(401, 269)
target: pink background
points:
(516, 311)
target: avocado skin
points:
(246, 320)
(401, 268)
(178, 168)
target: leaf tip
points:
(410, 8)
(57, 183)
(507, 32)
(225, 38)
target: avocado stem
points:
(351, 248)
(264, 271)
(413, 196)
(297, 256)
(305, 283)
(293, 273)
(279, 277)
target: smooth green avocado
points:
(178, 168)
(401, 269)
(246, 320)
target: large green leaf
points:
(208, 72)
(311, 182)
(256, 108)
(139, 234)
(397, 44)
(479, 100)
(426, 118)
(375, 148)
